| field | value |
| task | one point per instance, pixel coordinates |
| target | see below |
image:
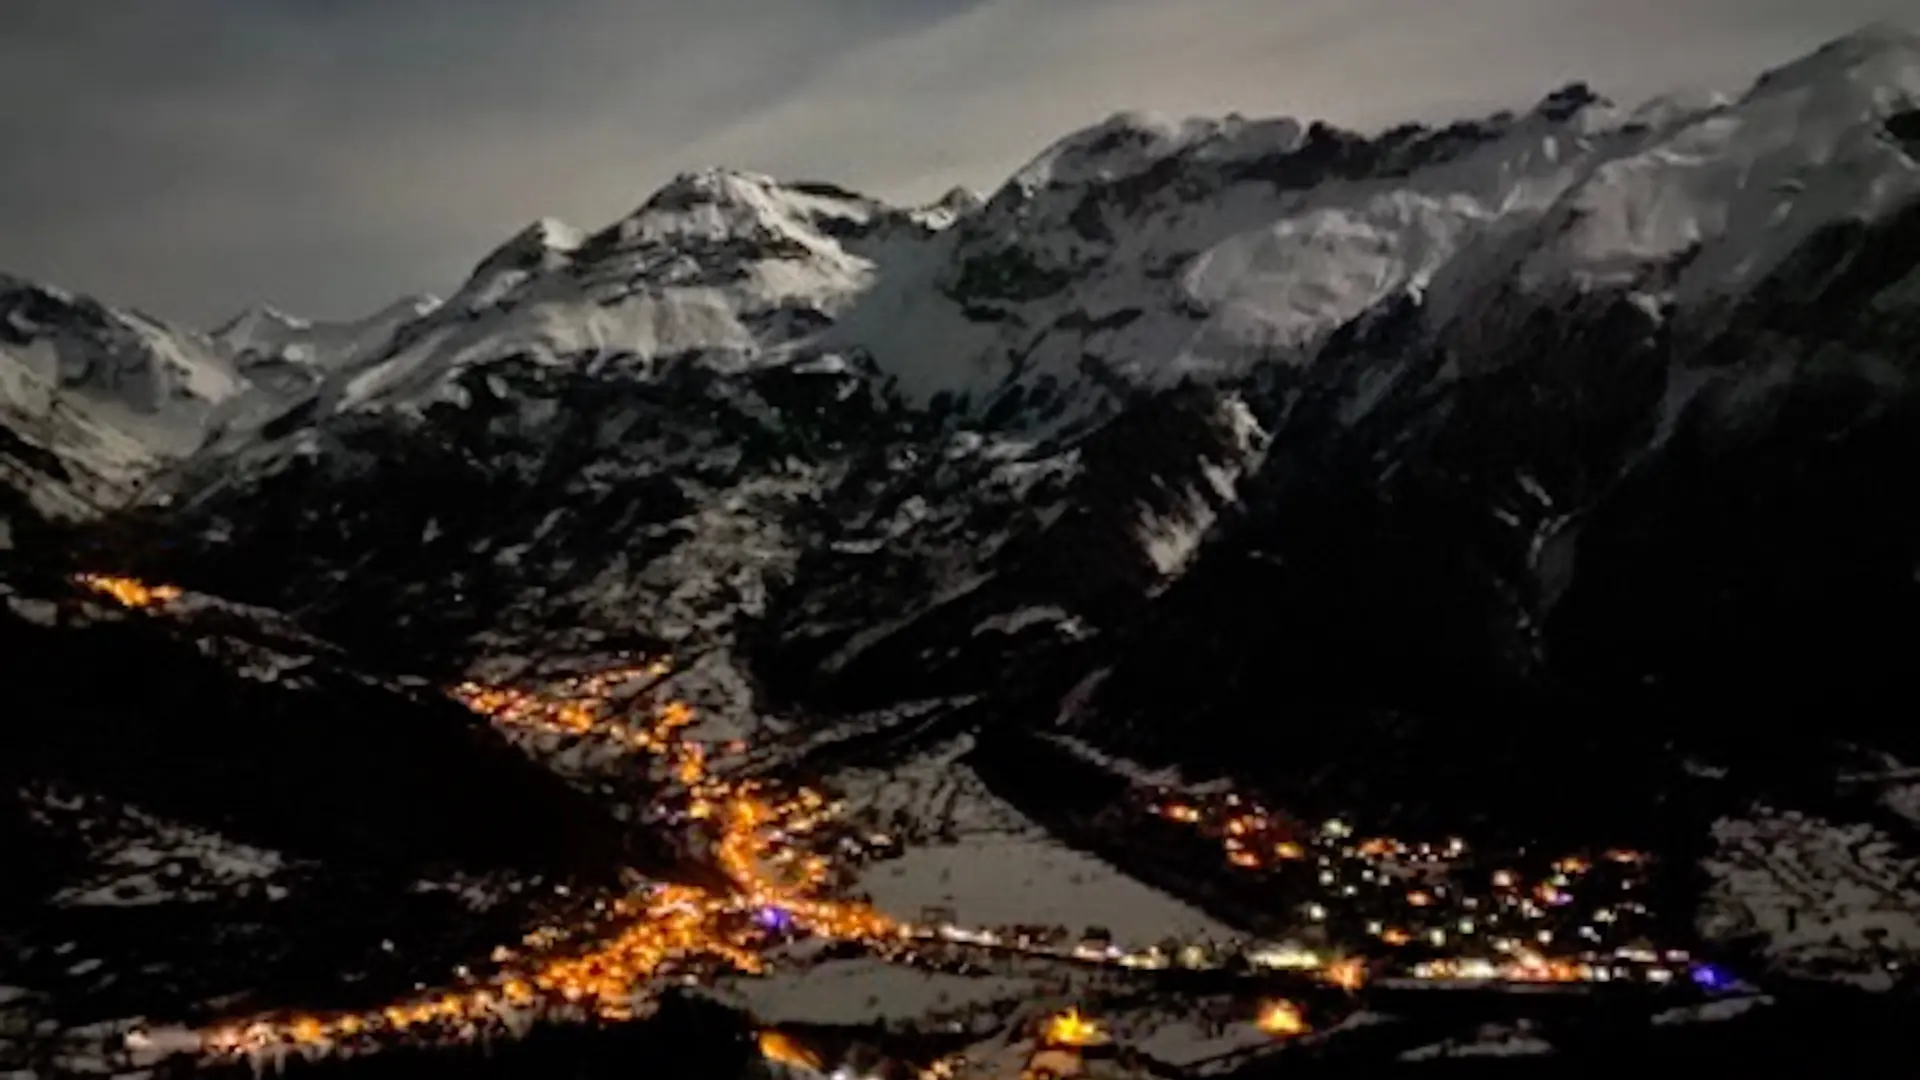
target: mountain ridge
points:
(1364, 307)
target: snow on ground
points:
(971, 851)
(1903, 799)
(1168, 777)
(1189, 1035)
(138, 859)
(475, 894)
(34, 610)
(1712, 1011)
(1825, 899)
(866, 990)
(1492, 1040)
(933, 797)
(1015, 621)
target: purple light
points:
(1708, 977)
(775, 919)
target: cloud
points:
(196, 155)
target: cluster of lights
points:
(1439, 909)
(1281, 1019)
(784, 1049)
(583, 706)
(1518, 963)
(655, 929)
(1072, 1030)
(129, 592)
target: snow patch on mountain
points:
(1171, 539)
(94, 400)
(1738, 187)
(66, 463)
(264, 334)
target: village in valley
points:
(812, 930)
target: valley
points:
(1240, 597)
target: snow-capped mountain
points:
(293, 353)
(93, 399)
(154, 380)
(723, 265)
(1143, 252)
(285, 359)
(1508, 322)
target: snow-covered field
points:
(1189, 1036)
(1004, 880)
(993, 866)
(864, 990)
(931, 797)
(1826, 899)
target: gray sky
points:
(193, 156)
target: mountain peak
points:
(1565, 103)
(550, 234)
(738, 194)
(545, 244)
(1125, 142)
(1886, 52)
(1876, 37)
(256, 319)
